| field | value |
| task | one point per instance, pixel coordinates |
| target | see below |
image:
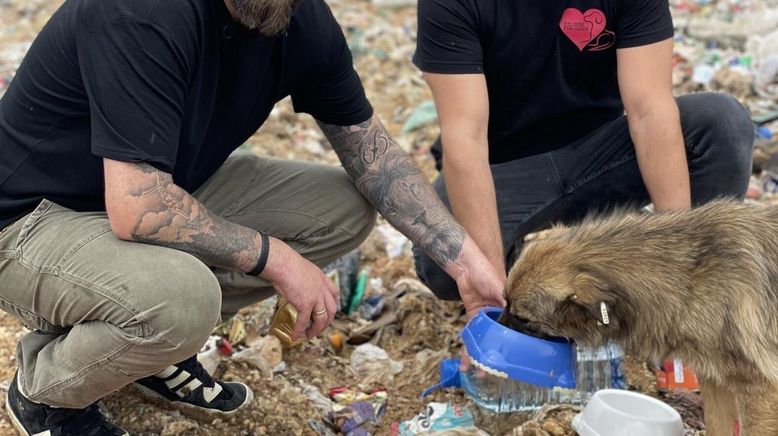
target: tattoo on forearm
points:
(175, 219)
(392, 182)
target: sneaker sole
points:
(192, 411)
(18, 424)
(14, 420)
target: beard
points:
(269, 17)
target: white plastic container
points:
(612, 412)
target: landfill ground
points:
(724, 45)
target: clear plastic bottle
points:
(597, 368)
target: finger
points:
(332, 308)
(319, 317)
(335, 292)
(464, 362)
(500, 298)
(303, 318)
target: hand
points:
(480, 285)
(305, 286)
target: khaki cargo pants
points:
(106, 312)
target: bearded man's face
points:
(269, 17)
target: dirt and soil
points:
(425, 330)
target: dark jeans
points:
(600, 171)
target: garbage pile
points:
(732, 46)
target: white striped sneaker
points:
(189, 386)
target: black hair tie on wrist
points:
(262, 262)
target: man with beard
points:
(126, 223)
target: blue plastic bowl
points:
(542, 362)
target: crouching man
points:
(127, 227)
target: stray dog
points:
(701, 285)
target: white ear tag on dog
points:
(604, 313)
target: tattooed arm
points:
(144, 205)
(387, 176)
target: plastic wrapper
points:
(439, 418)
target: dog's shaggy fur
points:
(701, 285)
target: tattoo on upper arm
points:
(172, 218)
(391, 181)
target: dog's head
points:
(552, 291)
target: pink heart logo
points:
(582, 27)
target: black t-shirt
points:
(175, 83)
(550, 65)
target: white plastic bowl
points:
(612, 412)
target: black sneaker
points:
(32, 419)
(189, 386)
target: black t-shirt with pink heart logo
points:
(550, 65)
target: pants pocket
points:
(29, 319)
(51, 234)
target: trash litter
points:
(266, 355)
(439, 417)
(449, 376)
(210, 355)
(282, 326)
(373, 364)
(319, 401)
(367, 332)
(769, 182)
(224, 346)
(336, 340)
(344, 273)
(234, 329)
(354, 410)
(321, 428)
(765, 49)
(371, 308)
(425, 114)
(755, 191)
(674, 375)
(270, 349)
(394, 3)
(395, 242)
(359, 291)
(253, 357)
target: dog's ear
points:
(581, 309)
(573, 313)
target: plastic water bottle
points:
(502, 395)
(597, 368)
